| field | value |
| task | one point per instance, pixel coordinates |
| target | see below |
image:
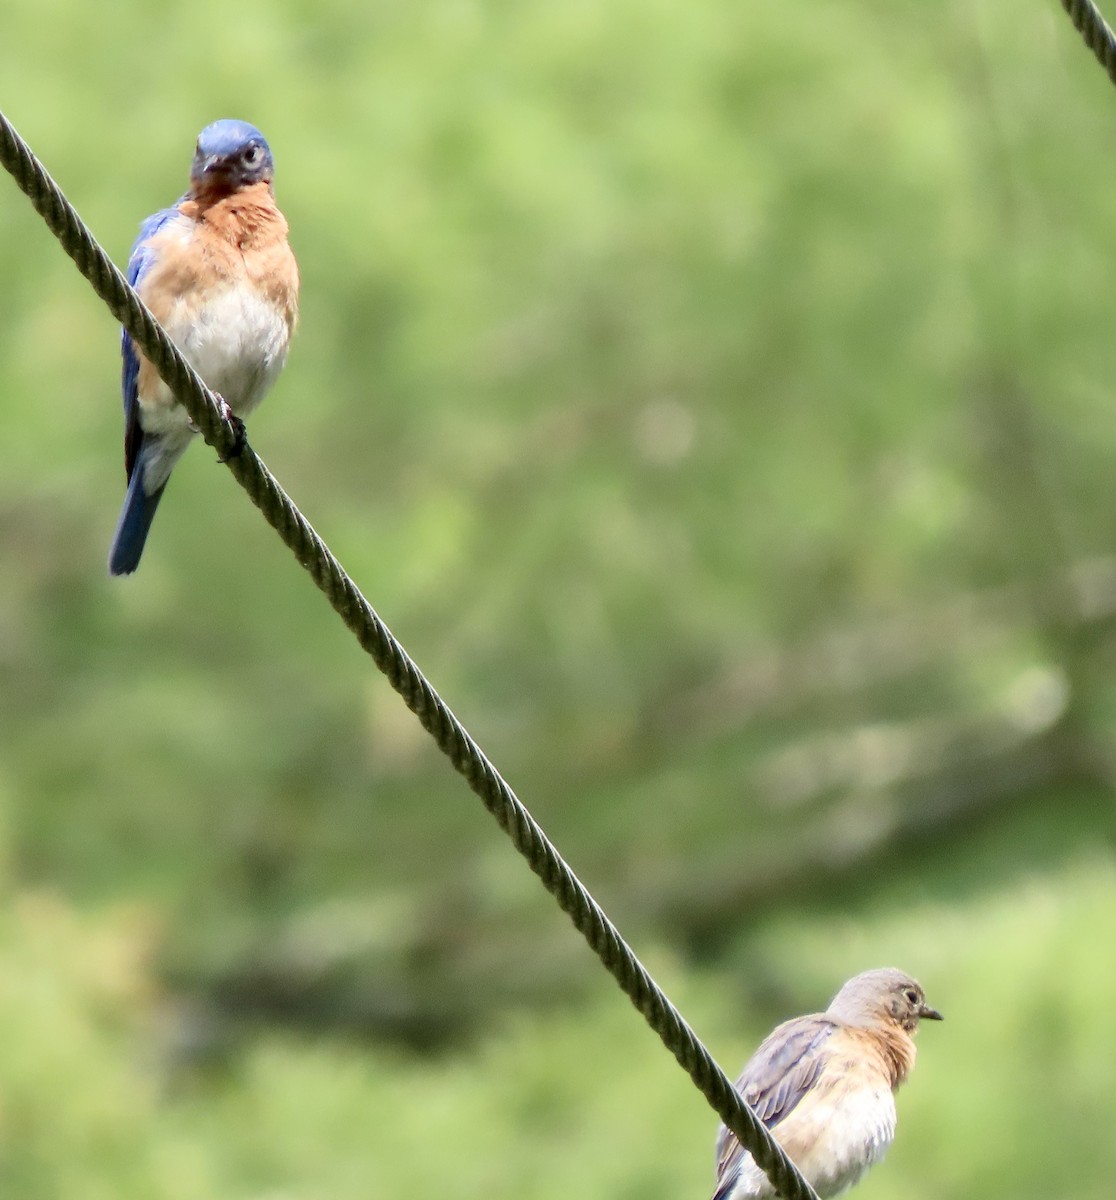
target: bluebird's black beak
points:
(929, 1014)
(211, 166)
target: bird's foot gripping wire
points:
(240, 430)
(240, 433)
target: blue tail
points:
(135, 521)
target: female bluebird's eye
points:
(912, 996)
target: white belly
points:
(853, 1137)
(237, 343)
(834, 1143)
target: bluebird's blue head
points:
(230, 155)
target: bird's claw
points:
(240, 434)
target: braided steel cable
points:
(404, 676)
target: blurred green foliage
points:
(716, 401)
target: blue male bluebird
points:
(824, 1086)
(218, 274)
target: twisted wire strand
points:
(404, 676)
(1095, 32)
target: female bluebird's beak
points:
(929, 1014)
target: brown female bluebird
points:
(824, 1085)
(218, 274)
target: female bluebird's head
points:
(881, 997)
(230, 155)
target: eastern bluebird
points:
(218, 274)
(824, 1086)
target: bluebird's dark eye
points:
(912, 997)
(253, 154)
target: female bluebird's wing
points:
(139, 263)
(783, 1069)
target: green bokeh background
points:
(716, 400)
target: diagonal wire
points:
(404, 676)
(1095, 31)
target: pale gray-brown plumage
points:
(824, 1085)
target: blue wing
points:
(139, 504)
(139, 263)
